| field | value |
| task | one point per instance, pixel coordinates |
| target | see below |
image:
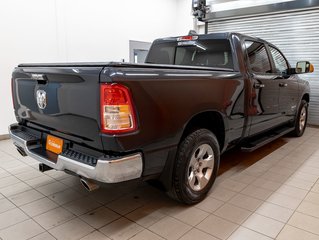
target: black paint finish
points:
(167, 100)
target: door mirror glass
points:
(304, 67)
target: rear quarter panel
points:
(167, 99)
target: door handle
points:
(258, 85)
(283, 84)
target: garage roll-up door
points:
(295, 33)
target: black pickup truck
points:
(168, 119)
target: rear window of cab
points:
(214, 53)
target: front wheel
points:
(196, 167)
(301, 119)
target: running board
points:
(264, 139)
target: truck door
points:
(288, 86)
(264, 103)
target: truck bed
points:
(119, 64)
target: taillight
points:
(117, 112)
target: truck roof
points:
(223, 35)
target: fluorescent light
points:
(217, 7)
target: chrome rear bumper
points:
(108, 170)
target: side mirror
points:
(304, 67)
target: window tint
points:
(280, 61)
(210, 53)
(207, 53)
(258, 57)
(161, 54)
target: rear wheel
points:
(301, 119)
(196, 167)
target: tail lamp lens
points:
(117, 113)
(187, 38)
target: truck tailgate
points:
(64, 101)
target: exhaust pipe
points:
(21, 150)
(89, 185)
(44, 168)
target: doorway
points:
(138, 51)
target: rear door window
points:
(257, 56)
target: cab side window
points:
(280, 62)
(257, 56)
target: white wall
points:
(27, 34)
(100, 30)
(79, 30)
(184, 20)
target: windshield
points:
(206, 53)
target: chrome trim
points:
(107, 171)
(89, 185)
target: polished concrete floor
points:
(272, 193)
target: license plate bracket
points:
(54, 144)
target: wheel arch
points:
(306, 97)
(211, 120)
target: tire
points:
(195, 167)
(301, 119)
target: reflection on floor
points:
(235, 160)
(272, 193)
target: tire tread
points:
(177, 192)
